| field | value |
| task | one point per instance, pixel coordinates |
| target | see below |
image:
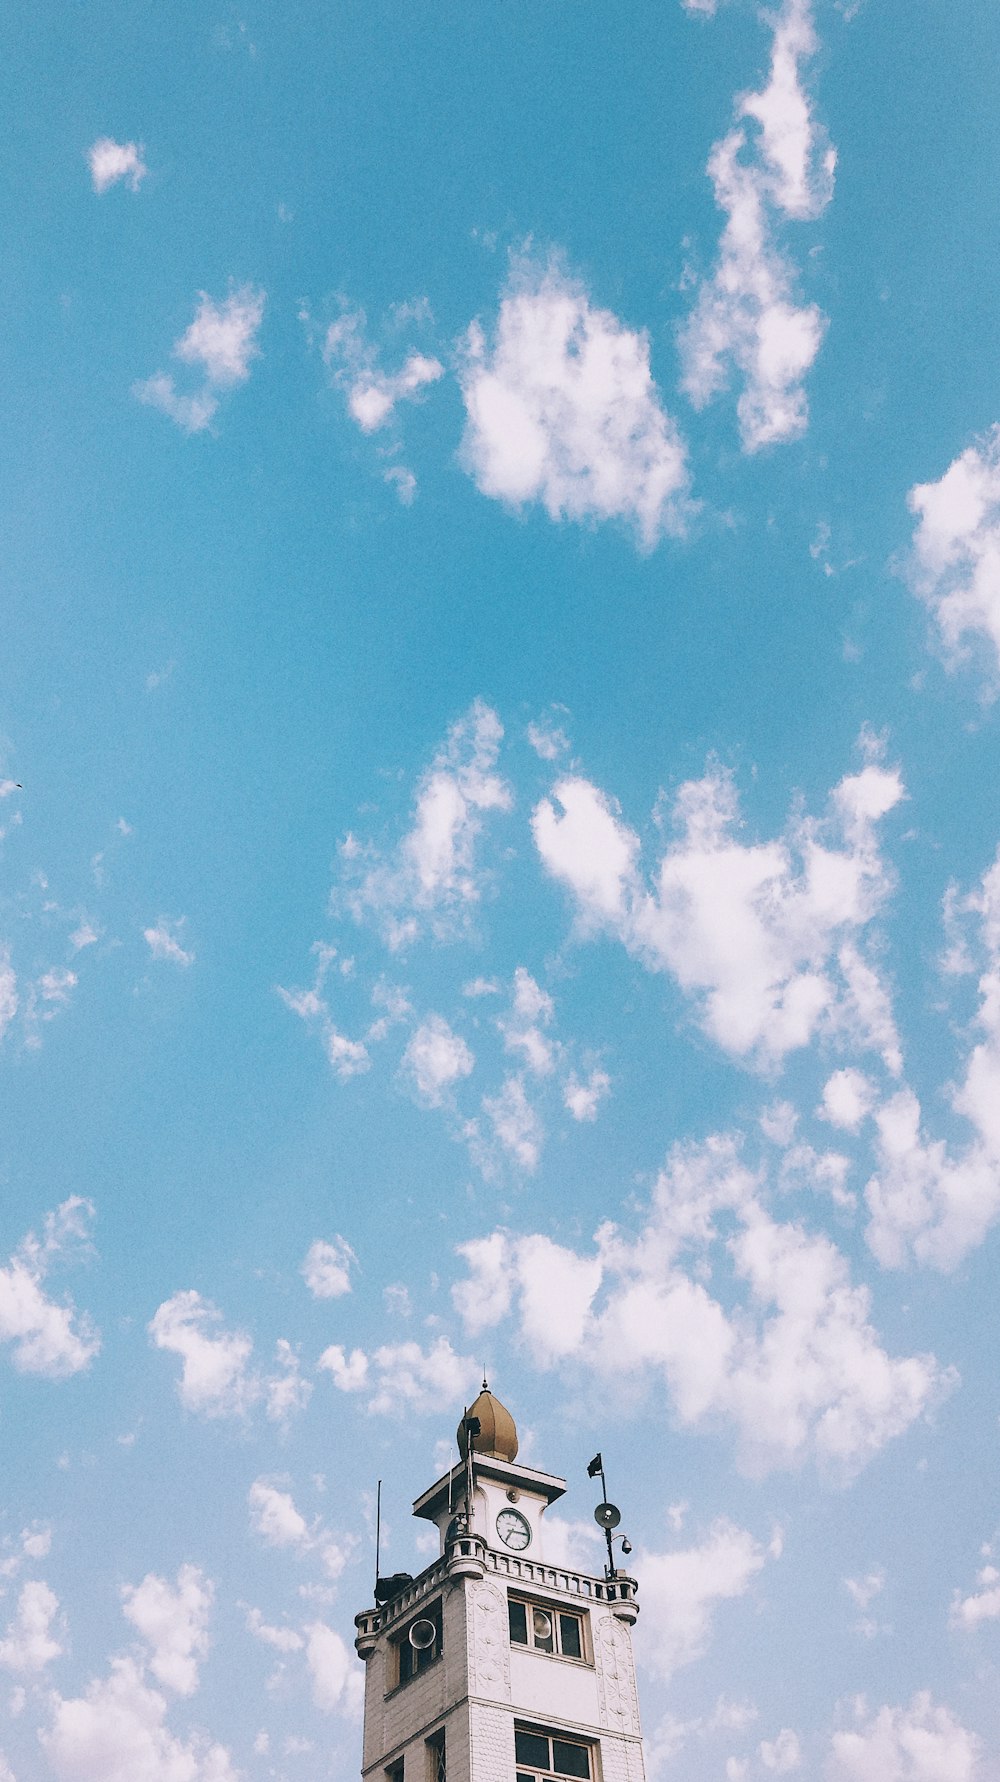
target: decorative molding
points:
(616, 1690)
(489, 1645)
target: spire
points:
(497, 1436)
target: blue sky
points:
(501, 824)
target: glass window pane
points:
(517, 1615)
(542, 1630)
(569, 1636)
(531, 1748)
(570, 1760)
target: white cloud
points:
(347, 1058)
(36, 1541)
(532, 1009)
(927, 1200)
(781, 1754)
(173, 1620)
(682, 1589)
(275, 1518)
(561, 408)
(286, 1392)
(337, 1678)
(921, 1743)
(435, 1060)
(163, 941)
(326, 1268)
(754, 932)
(515, 1122)
(220, 344)
(863, 1591)
(584, 1099)
(955, 565)
(428, 1380)
(794, 1366)
(117, 1733)
(8, 991)
(48, 1338)
(982, 1604)
(548, 740)
(746, 315)
(111, 161)
(848, 1097)
(433, 878)
(215, 1378)
(282, 1639)
(372, 394)
(29, 1644)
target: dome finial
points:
(497, 1438)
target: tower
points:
(495, 1665)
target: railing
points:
(553, 1577)
(470, 1553)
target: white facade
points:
(488, 1677)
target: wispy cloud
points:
(220, 343)
(773, 166)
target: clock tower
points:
(497, 1664)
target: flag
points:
(596, 1466)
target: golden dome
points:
(497, 1436)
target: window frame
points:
(556, 1613)
(436, 1749)
(405, 1657)
(528, 1772)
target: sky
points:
(500, 814)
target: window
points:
(436, 1767)
(546, 1630)
(541, 1755)
(394, 1773)
(419, 1643)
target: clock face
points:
(513, 1530)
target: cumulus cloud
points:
(848, 1097)
(561, 408)
(794, 1365)
(117, 1732)
(762, 935)
(781, 1754)
(955, 562)
(584, 1098)
(274, 1517)
(112, 161)
(163, 941)
(427, 1380)
(435, 1060)
(923, 1742)
(220, 344)
(929, 1201)
(432, 879)
(336, 1676)
(523, 1033)
(173, 1620)
(772, 167)
(49, 1337)
(29, 1644)
(216, 1380)
(372, 394)
(982, 1604)
(682, 1589)
(326, 1268)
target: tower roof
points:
(497, 1436)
